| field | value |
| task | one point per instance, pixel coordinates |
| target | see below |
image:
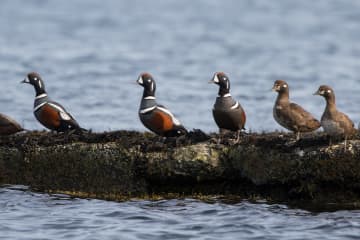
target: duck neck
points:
(330, 103)
(148, 100)
(283, 97)
(148, 94)
(39, 88)
(224, 92)
(39, 91)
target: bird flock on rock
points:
(228, 113)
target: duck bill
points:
(316, 93)
(26, 80)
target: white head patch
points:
(329, 91)
(216, 79)
(284, 86)
(26, 79)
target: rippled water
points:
(28, 215)
(90, 53)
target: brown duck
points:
(335, 123)
(8, 125)
(290, 115)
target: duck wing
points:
(65, 116)
(302, 118)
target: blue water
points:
(28, 215)
(91, 52)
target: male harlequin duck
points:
(156, 117)
(290, 115)
(8, 125)
(334, 122)
(49, 113)
(228, 113)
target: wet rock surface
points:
(122, 164)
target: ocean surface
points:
(32, 216)
(90, 53)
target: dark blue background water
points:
(90, 53)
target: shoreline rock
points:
(125, 164)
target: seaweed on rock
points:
(123, 164)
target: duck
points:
(155, 117)
(228, 113)
(336, 124)
(50, 114)
(8, 125)
(291, 115)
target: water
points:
(90, 53)
(28, 215)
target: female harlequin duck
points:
(228, 113)
(8, 125)
(156, 117)
(49, 113)
(290, 115)
(335, 123)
